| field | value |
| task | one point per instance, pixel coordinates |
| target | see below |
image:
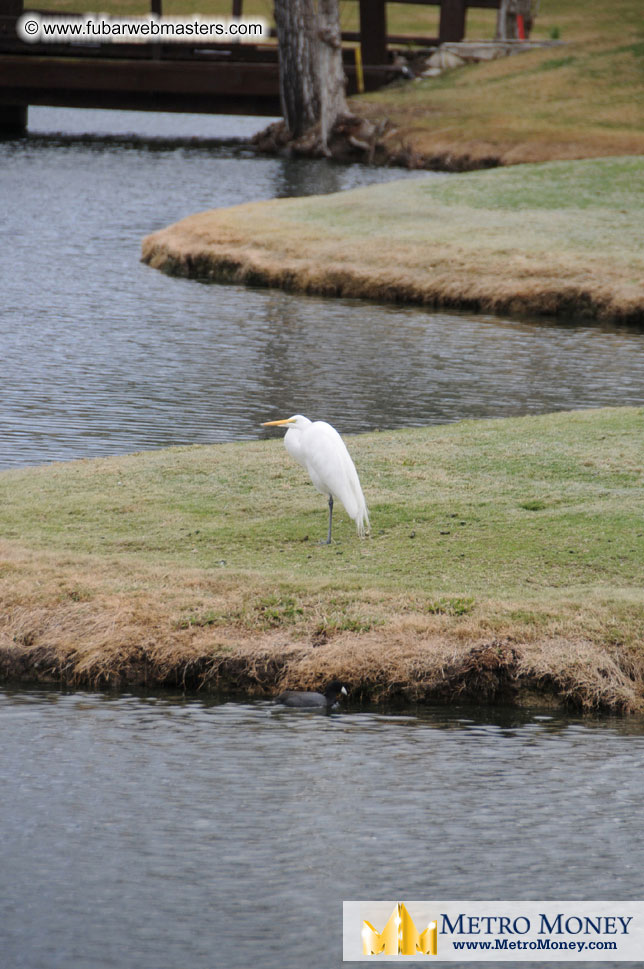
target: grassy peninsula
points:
(561, 238)
(506, 563)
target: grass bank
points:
(506, 563)
(560, 238)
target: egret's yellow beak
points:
(288, 420)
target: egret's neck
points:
(293, 443)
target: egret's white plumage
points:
(319, 448)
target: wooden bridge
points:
(214, 79)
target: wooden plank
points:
(186, 50)
(405, 40)
(214, 103)
(177, 77)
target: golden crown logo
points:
(400, 937)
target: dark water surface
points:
(102, 355)
(163, 833)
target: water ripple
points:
(162, 831)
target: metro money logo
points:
(400, 937)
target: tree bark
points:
(331, 77)
(311, 72)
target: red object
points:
(520, 27)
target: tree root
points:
(352, 139)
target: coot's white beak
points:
(344, 692)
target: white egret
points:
(319, 448)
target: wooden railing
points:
(235, 78)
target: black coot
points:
(301, 698)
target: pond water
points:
(102, 355)
(163, 833)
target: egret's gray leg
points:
(328, 538)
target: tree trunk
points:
(331, 77)
(311, 71)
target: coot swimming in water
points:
(301, 698)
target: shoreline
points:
(567, 304)
(497, 672)
(504, 566)
(380, 144)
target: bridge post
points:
(373, 33)
(452, 22)
(13, 117)
(13, 120)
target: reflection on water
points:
(163, 832)
(103, 355)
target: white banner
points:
(469, 931)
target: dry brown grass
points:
(51, 631)
(527, 241)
